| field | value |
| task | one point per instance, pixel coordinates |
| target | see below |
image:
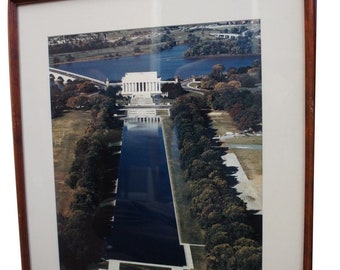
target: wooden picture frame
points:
(309, 20)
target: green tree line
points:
(231, 241)
(237, 46)
(75, 95)
(235, 92)
(91, 177)
(243, 106)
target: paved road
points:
(231, 160)
(186, 86)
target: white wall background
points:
(327, 179)
(9, 244)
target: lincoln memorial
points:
(141, 84)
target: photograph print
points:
(157, 147)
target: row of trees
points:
(233, 47)
(240, 45)
(76, 95)
(61, 92)
(91, 177)
(165, 42)
(244, 106)
(231, 242)
(235, 92)
(242, 77)
(74, 44)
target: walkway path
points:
(247, 192)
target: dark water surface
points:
(167, 63)
(144, 227)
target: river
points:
(167, 63)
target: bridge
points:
(66, 75)
(225, 35)
(139, 86)
(58, 74)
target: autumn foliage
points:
(231, 241)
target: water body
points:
(144, 227)
(168, 64)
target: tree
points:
(87, 87)
(217, 73)
(239, 230)
(174, 90)
(57, 104)
(220, 86)
(84, 200)
(214, 203)
(137, 50)
(234, 213)
(208, 83)
(69, 57)
(222, 257)
(248, 254)
(78, 244)
(247, 81)
(234, 84)
(78, 102)
(215, 238)
(211, 156)
(192, 39)
(112, 91)
(189, 152)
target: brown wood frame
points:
(310, 48)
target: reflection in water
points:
(144, 227)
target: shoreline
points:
(223, 55)
(94, 58)
(102, 56)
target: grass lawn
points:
(199, 257)
(222, 122)
(189, 229)
(67, 130)
(251, 160)
(245, 140)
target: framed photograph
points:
(163, 134)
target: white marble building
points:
(141, 84)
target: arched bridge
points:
(66, 75)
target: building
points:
(141, 84)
